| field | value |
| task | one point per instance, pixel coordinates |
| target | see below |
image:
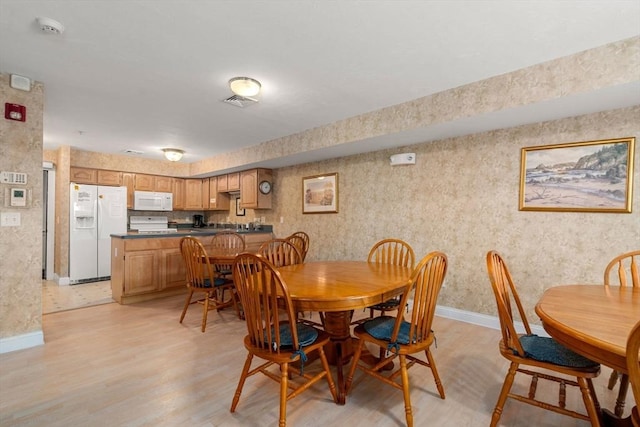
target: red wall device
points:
(15, 112)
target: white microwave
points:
(152, 201)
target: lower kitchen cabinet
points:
(141, 272)
(144, 268)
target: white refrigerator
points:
(96, 212)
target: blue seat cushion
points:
(307, 335)
(544, 349)
(216, 282)
(381, 328)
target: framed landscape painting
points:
(592, 176)
(320, 194)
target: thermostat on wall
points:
(18, 197)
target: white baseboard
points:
(19, 342)
(482, 319)
(63, 281)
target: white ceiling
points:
(145, 75)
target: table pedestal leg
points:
(337, 324)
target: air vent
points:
(130, 151)
(240, 101)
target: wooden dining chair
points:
(227, 240)
(201, 277)
(633, 366)
(274, 334)
(301, 240)
(534, 352)
(401, 339)
(389, 251)
(622, 271)
(280, 252)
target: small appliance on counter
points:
(198, 221)
(150, 224)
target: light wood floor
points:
(135, 365)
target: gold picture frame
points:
(591, 176)
(320, 193)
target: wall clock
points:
(265, 187)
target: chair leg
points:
(284, 378)
(186, 305)
(589, 402)
(405, 390)
(434, 371)
(205, 312)
(613, 378)
(243, 378)
(325, 366)
(354, 364)
(504, 392)
(622, 395)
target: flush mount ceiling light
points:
(173, 154)
(50, 26)
(244, 86)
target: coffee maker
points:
(198, 221)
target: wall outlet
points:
(281, 220)
(10, 219)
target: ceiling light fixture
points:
(173, 154)
(244, 86)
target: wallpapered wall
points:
(21, 247)
(461, 197)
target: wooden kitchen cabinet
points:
(129, 181)
(83, 176)
(95, 176)
(222, 183)
(141, 272)
(193, 194)
(250, 195)
(218, 201)
(144, 182)
(173, 269)
(163, 184)
(178, 194)
(113, 178)
(233, 181)
(143, 269)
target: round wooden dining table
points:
(592, 320)
(336, 288)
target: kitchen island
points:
(146, 266)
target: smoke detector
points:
(50, 26)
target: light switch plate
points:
(10, 219)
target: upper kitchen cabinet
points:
(222, 183)
(218, 200)
(83, 176)
(109, 178)
(129, 181)
(95, 176)
(178, 193)
(163, 184)
(255, 189)
(233, 181)
(196, 192)
(144, 182)
(229, 182)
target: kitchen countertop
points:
(184, 232)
